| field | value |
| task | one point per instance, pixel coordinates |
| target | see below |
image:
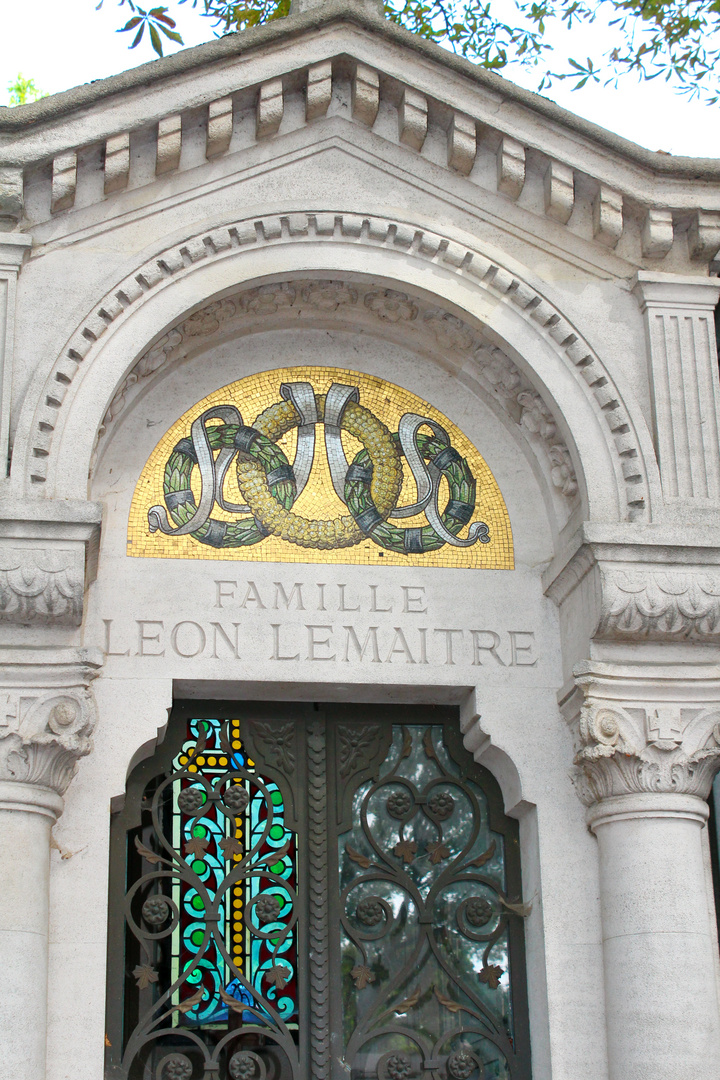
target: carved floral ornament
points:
(42, 585)
(310, 299)
(660, 604)
(451, 333)
(44, 732)
(642, 601)
(627, 749)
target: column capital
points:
(639, 732)
(676, 291)
(679, 314)
(47, 714)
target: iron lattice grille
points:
(315, 893)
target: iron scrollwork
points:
(426, 923)
(211, 920)
(315, 893)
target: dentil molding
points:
(372, 233)
(356, 303)
(47, 715)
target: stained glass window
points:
(211, 916)
(315, 893)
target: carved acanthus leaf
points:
(276, 742)
(42, 585)
(358, 742)
(450, 332)
(658, 605)
(624, 749)
(43, 734)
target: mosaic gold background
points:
(388, 402)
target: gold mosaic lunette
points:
(318, 502)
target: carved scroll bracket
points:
(638, 732)
(626, 589)
(48, 554)
(47, 714)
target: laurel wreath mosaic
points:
(242, 475)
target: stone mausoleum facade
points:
(359, 575)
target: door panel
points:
(315, 891)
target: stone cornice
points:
(310, 22)
(47, 714)
(65, 519)
(476, 121)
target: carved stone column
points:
(47, 714)
(648, 745)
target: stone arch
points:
(598, 421)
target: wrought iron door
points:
(315, 893)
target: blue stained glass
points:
(243, 952)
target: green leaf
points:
(155, 39)
(172, 34)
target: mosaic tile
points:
(314, 525)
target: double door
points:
(315, 891)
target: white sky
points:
(62, 43)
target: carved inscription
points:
(320, 623)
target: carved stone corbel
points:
(47, 715)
